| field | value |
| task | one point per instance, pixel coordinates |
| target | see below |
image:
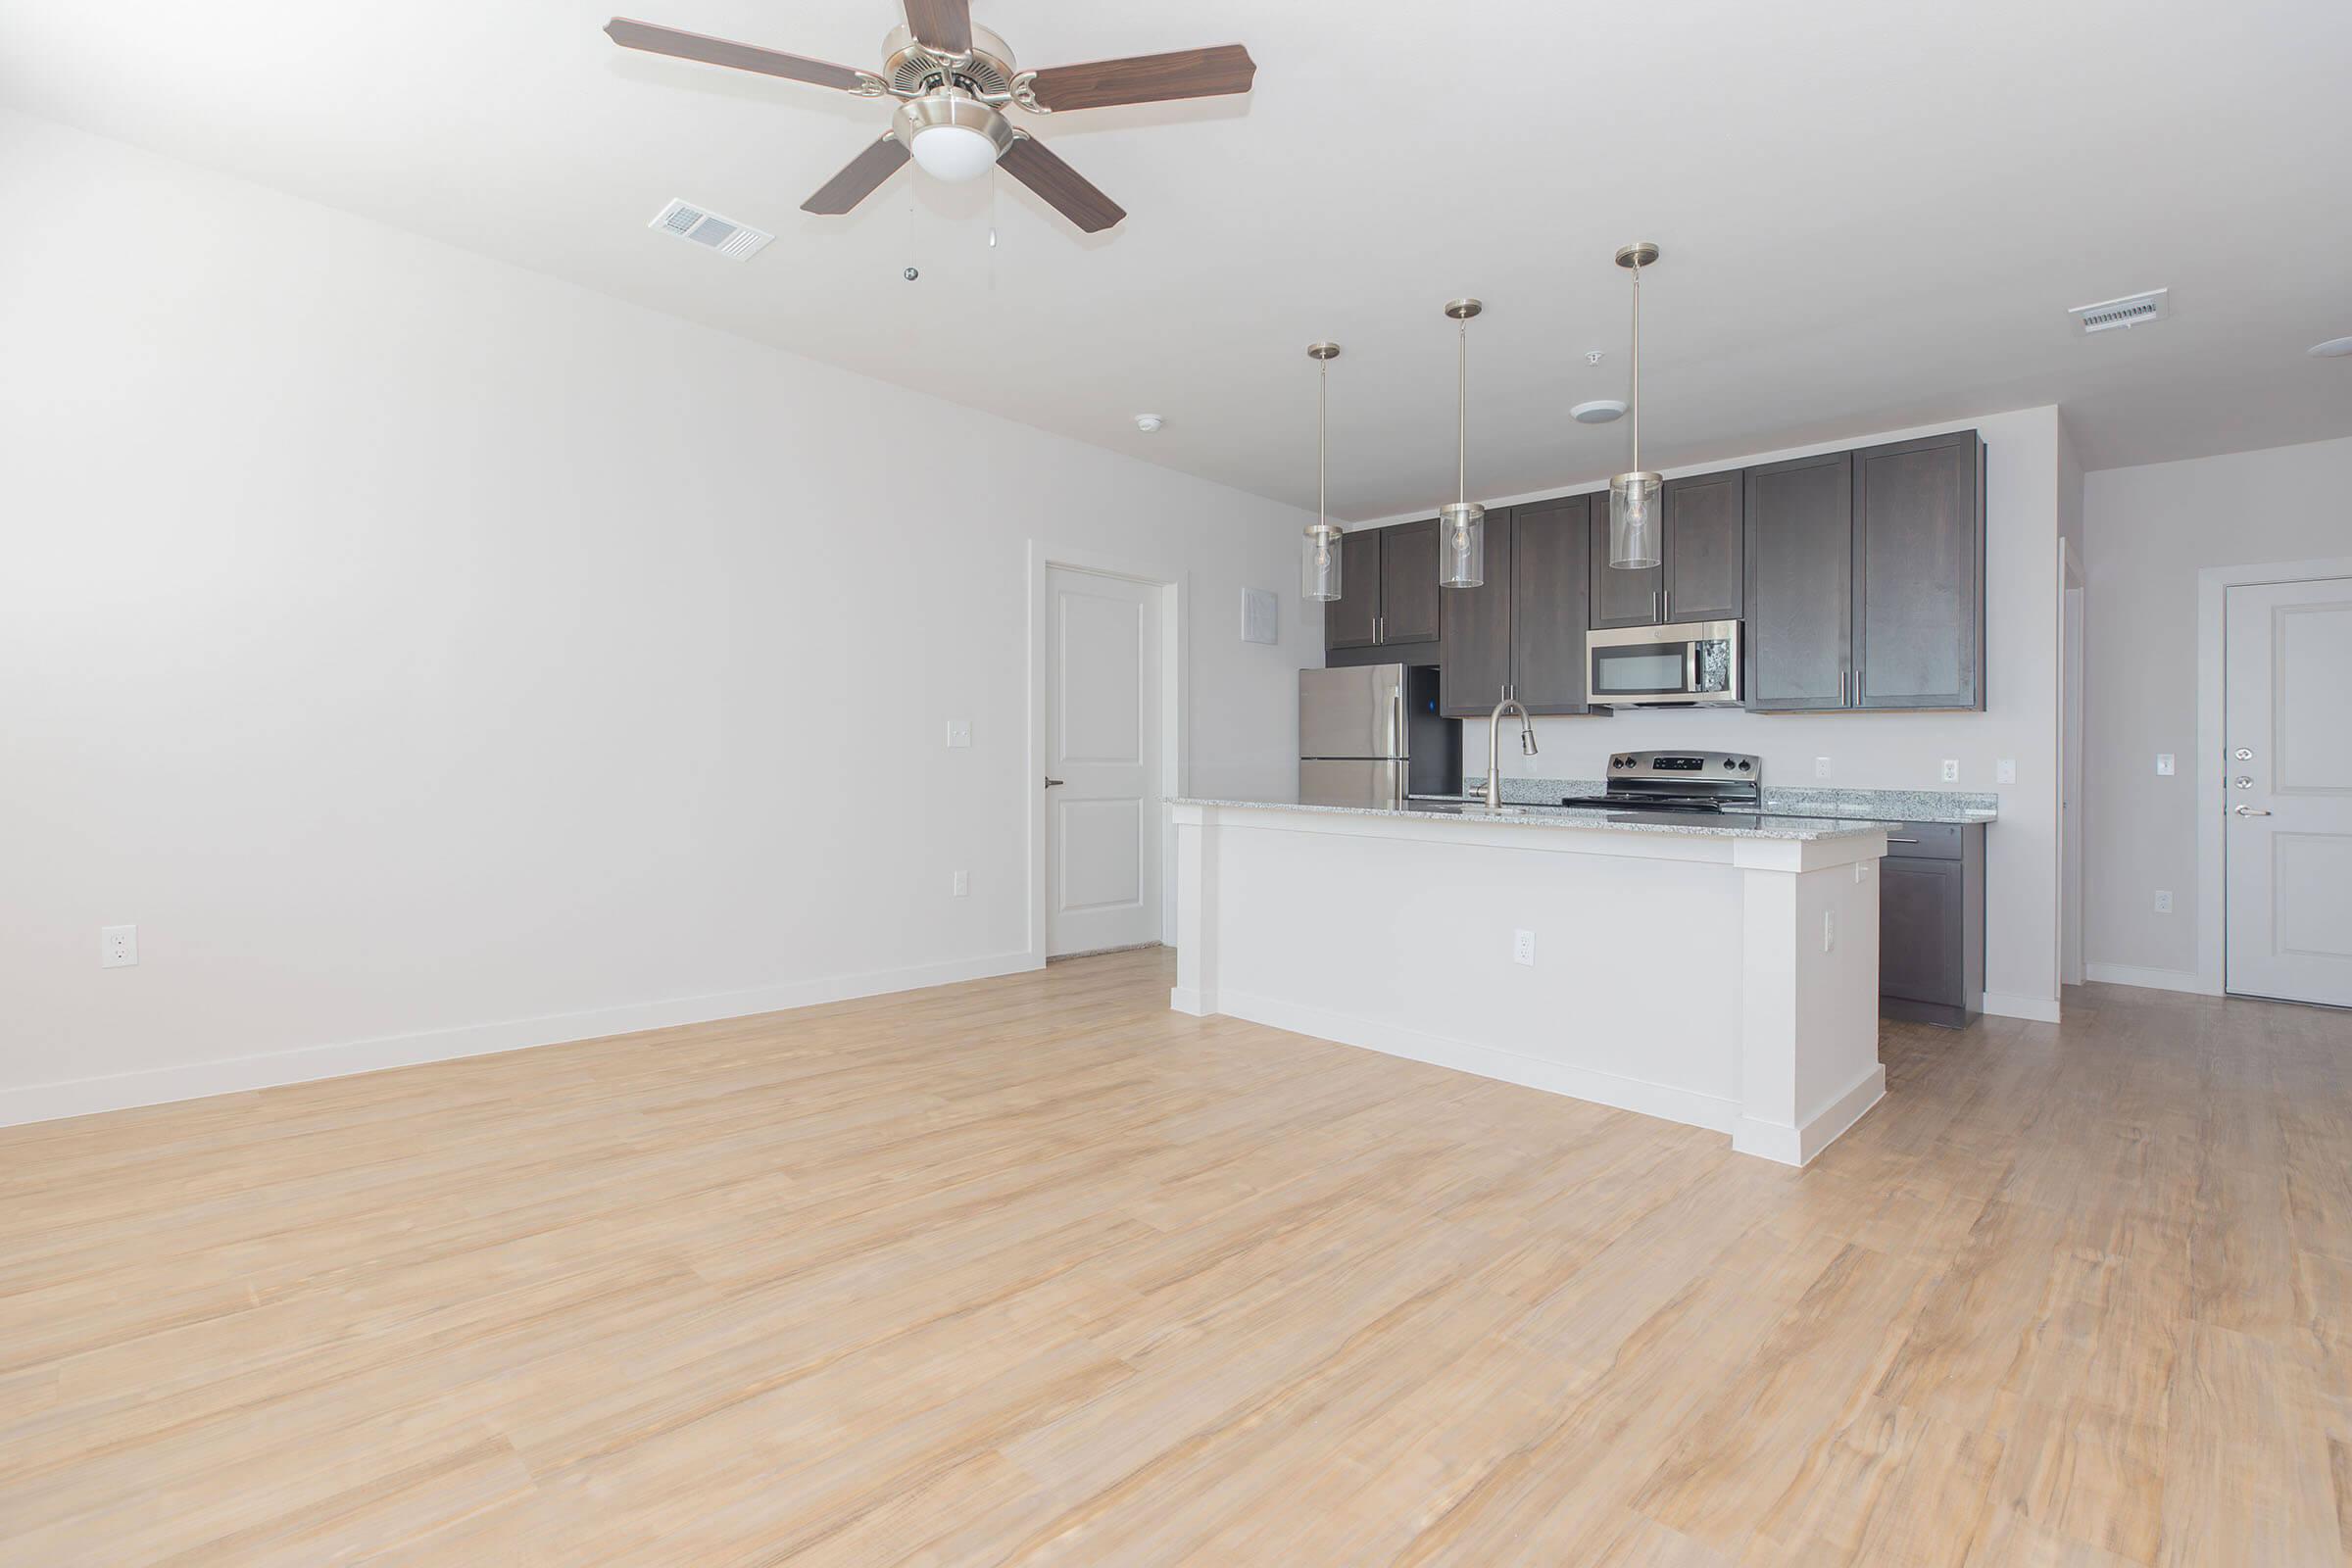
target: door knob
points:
(2248, 811)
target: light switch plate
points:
(2164, 763)
(960, 732)
(963, 884)
(118, 947)
(2004, 772)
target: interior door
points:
(1102, 744)
(2287, 756)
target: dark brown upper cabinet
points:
(1799, 575)
(1549, 609)
(1523, 632)
(1698, 575)
(1706, 547)
(1408, 583)
(1475, 666)
(1918, 573)
(1388, 589)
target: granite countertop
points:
(1818, 803)
(1768, 826)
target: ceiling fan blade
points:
(742, 56)
(1145, 78)
(945, 25)
(1064, 189)
(859, 180)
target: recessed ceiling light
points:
(2335, 348)
(1148, 422)
(1601, 410)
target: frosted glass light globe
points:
(954, 153)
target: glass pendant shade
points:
(1461, 545)
(1634, 522)
(1319, 563)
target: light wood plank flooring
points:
(1035, 1271)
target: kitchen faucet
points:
(1527, 747)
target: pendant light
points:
(1462, 522)
(1319, 560)
(1634, 505)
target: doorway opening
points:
(1107, 739)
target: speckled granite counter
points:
(1802, 829)
(1959, 806)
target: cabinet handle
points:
(1842, 688)
(1891, 839)
(1657, 607)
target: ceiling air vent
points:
(2132, 309)
(707, 228)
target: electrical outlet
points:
(2164, 764)
(1829, 930)
(1821, 768)
(960, 732)
(1951, 771)
(963, 885)
(2004, 772)
(1523, 947)
(2164, 901)
(118, 947)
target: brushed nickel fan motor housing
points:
(912, 71)
(947, 107)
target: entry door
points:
(2288, 794)
(1102, 818)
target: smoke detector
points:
(2132, 309)
(707, 228)
(1601, 410)
(1148, 424)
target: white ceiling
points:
(1873, 215)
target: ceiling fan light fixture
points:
(953, 136)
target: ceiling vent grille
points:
(2132, 309)
(707, 228)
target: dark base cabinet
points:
(1932, 923)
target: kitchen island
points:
(1717, 972)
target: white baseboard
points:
(2040, 1010)
(1798, 1145)
(2131, 974)
(1688, 1106)
(1184, 999)
(82, 1097)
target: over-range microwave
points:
(1685, 665)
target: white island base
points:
(1721, 977)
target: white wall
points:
(2148, 532)
(409, 644)
(1905, 750)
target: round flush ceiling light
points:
(2335, 348)
(954, 137)
(1601, 410)
(1148, 424)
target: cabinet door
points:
(1703, 547)
(1919, 929)
(1349, 621)
(1918, 573)
(1800, 570)
(1477, 663)
(1621, 598)
(1550, 579)
(1408, 583)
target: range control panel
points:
(1685, 766)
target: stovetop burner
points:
(1684, 783)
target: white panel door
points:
(1102, 818)
(2289, 755)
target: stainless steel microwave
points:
(1683, 665)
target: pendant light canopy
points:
(1462, 522)
(1633, 496)
(1319, 559)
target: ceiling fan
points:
(951, 80)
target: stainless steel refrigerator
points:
(1371, 736)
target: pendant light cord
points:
(1461, 411)
(1636, 364)
(1322, 418)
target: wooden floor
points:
(1035, 1271)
